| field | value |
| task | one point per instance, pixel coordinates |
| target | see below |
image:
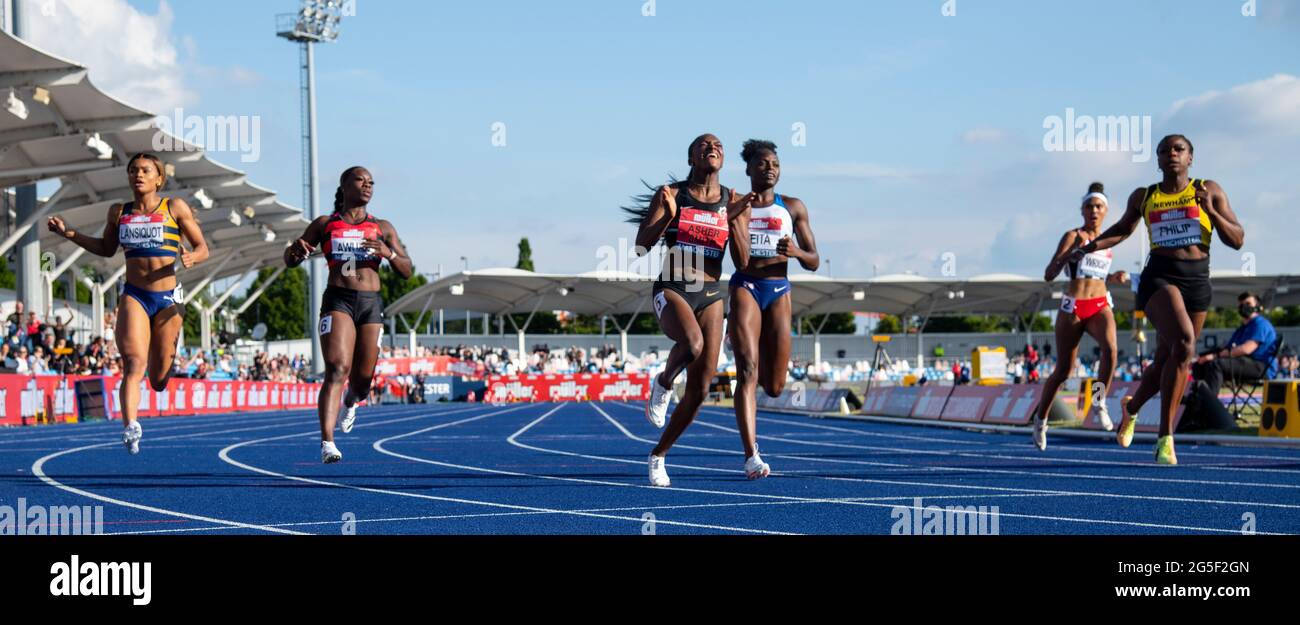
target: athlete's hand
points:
(738, 204)
(788, 248)
(300, 250)
(56, 225)
(1119, 277)
(189, 259)
(668, 194)
(377, 247)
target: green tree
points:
(8, 280)
(889, 324)
(283, 307)
(392, 287)
(525, 256)
(836, 323)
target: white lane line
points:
(891, 482)
(379, 446)
(38, 469)
(1072, 448)
(443, 517)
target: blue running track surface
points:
(581, 469)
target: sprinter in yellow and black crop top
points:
(149, 229)
(1181, 213)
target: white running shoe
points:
(131, 436)
(1040, 433)
(349, 413)
(329, 454)
(755, 468)
(656, 408)
(658, 474)
(1103, 413)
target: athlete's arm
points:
(1119, 277)
(189, 227)
(390, 247)
(738, 227)
(663, 208)
(1215, 200)
(100, 246)
(1069, 242)
(300, 249)
(806, 250)
(1123, 229)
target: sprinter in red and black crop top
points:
(699, 220)
(353, 243)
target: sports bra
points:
(343, 242)
(1176, 220)
(767, 226)
(153, 235)
(699, 227)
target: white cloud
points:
(131, 55)
(984, 135)
(1269, 107)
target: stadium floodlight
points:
(235, 219)
(317, 21)
(100, 148)
(268, 234)
(564, 291)
(1057, 295)
(202, 198)
(16, 107)
(859, 295)
(42, 95)
(249, 212)
(458, 289)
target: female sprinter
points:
(698, 219)
(1086, 307)
(760, 292)
(352, 314)
(149, 320)
(1181, 214)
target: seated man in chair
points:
(1247, 356)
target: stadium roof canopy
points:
(67, 129)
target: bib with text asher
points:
(702, 232)
(141, 231)
(349, 245)
(1176, 227)
(764, 234)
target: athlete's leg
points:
(744, 325)
(164, 330)
(1169, 315)
(1068, 332)
(132, 335)
(698, 375)
(364, 357)
(338, 337)
(774, 342)
(679, 324)
(1102, 329)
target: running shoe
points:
(656, 408)
(1099, 400)
(131, 436)
(349, 413)
(1165, 451)
(1126, 424)
(329, 454)
(658, 474)
(755, 468)
(1040, 433)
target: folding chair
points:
(1244, 389)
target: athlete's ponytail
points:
(1096, 190)
(338, 199)
(640, 208)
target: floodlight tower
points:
(317, 21)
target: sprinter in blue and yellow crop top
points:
(149, 230)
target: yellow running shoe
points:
(1127, 424)
(1165, 451)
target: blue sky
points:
(924, 132)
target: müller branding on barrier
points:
(26, 400)
(568, 387)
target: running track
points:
(580, 469)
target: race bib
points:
(349, 245)
(702, 232)
(1096, 265)
(1176, 227)
(141, 231)
(764, 234)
